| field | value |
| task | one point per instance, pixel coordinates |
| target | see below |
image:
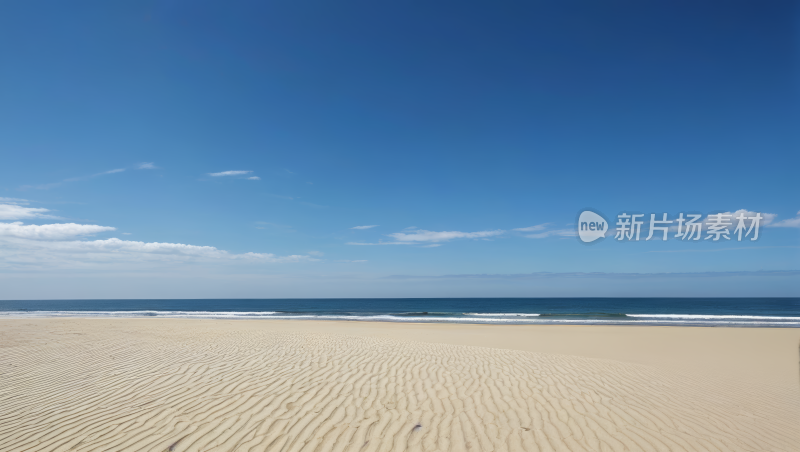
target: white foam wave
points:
(655, 319)
(492, 314)
(144, 313)
(712, 317)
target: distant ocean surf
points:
(738, 312)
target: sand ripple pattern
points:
(193, 386)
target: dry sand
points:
(201, 385)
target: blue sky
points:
(121, 122)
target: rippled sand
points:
(166, 385)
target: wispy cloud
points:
(422, 235)
(61, 245)
(542, 232)
(538, 227)
(766, 218)
(788, 223)
(229, 173)
(113, 171)
(75, 179)
(14, 201)
(553, 233)
(253, 178)
(379, 243)
(365, 227)
(16, 211)
(146, 165)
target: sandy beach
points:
(271, 385)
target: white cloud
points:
(364, 227)
(422, 235)
(229, 173)
(253, 178)
(146, 165)
(538, 227)
(50, 231)
(788, 223)
(17, 212)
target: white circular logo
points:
(591, 226)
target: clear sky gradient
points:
(297, 148)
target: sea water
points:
(738, 312)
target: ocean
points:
(729, 312)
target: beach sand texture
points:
(184, 385)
